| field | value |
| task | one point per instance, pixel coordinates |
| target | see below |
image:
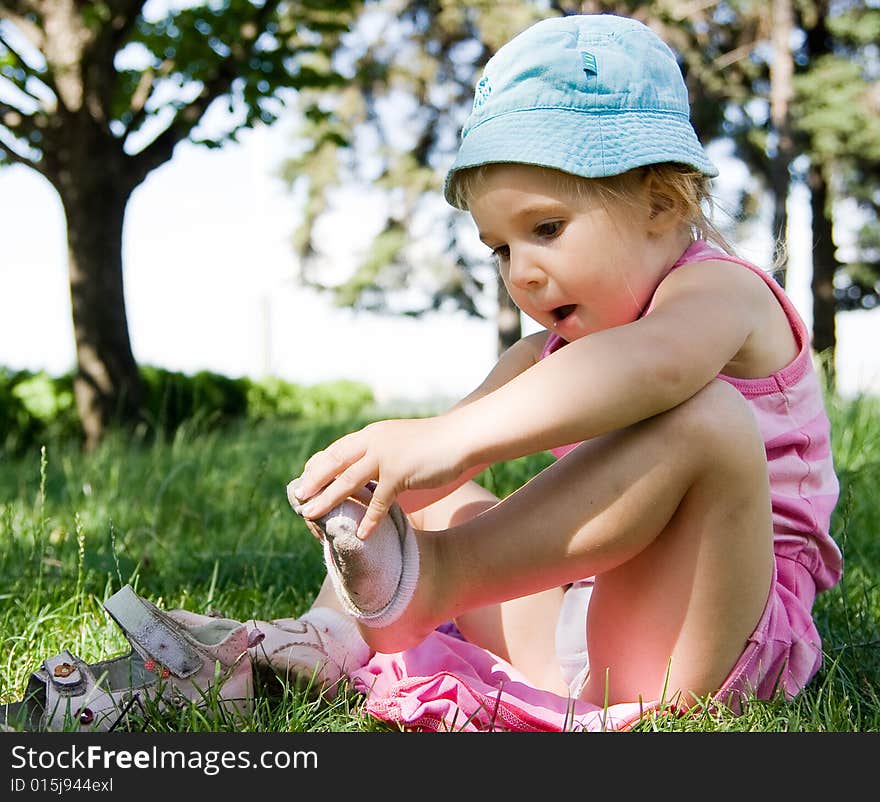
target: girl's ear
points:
(664, 207)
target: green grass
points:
(202, 522)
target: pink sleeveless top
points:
(790, 411)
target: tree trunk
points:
(509, 323)
(825, 265)
(781, 92)
(94, 191)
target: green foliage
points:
(35, 407)
(270, 51)
(837, 108)
(385, 250)
(273, 398)
(833, 107)
(836, 112)
(251, 53)
(14, 417)
(173, 397)
(392, 128)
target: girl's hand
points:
(397, 454)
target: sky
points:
(210, 284)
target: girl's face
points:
(572, 265)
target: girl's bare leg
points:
(520, 631)
(672, 514)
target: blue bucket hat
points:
(593, 95)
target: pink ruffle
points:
(448, 684)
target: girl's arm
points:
(521, 356)
(703, 316)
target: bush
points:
(171, 398)
(273, 398)
(35, 407)
(15, 421)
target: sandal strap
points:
(158, 636)
(66, 673)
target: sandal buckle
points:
(63, 672)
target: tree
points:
(781, 94)
(97, 93)
(837, 115)
(412, 67)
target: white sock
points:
(375, 579)
(343, 642)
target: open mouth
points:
(562, 312)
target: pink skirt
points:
(448, 684)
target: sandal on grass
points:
(294, 650)
(169, 662)
(312, 653)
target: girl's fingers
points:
(341, 470)
(377, 509)
(323, 467)
(349, 483)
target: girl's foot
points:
(375, 579)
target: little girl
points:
(673, 551)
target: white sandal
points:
(294, 650)
(169, 661)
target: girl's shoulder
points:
(722, 272)
(719, 279)
(704, 267)
(533, 345)
(777, 333)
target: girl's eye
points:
(549, 229)
(501, 253)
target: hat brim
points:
(588, 144)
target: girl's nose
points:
(525, 272)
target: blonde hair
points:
(673, 187)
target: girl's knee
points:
(728, 449)
(460, 505)
(718, 422)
